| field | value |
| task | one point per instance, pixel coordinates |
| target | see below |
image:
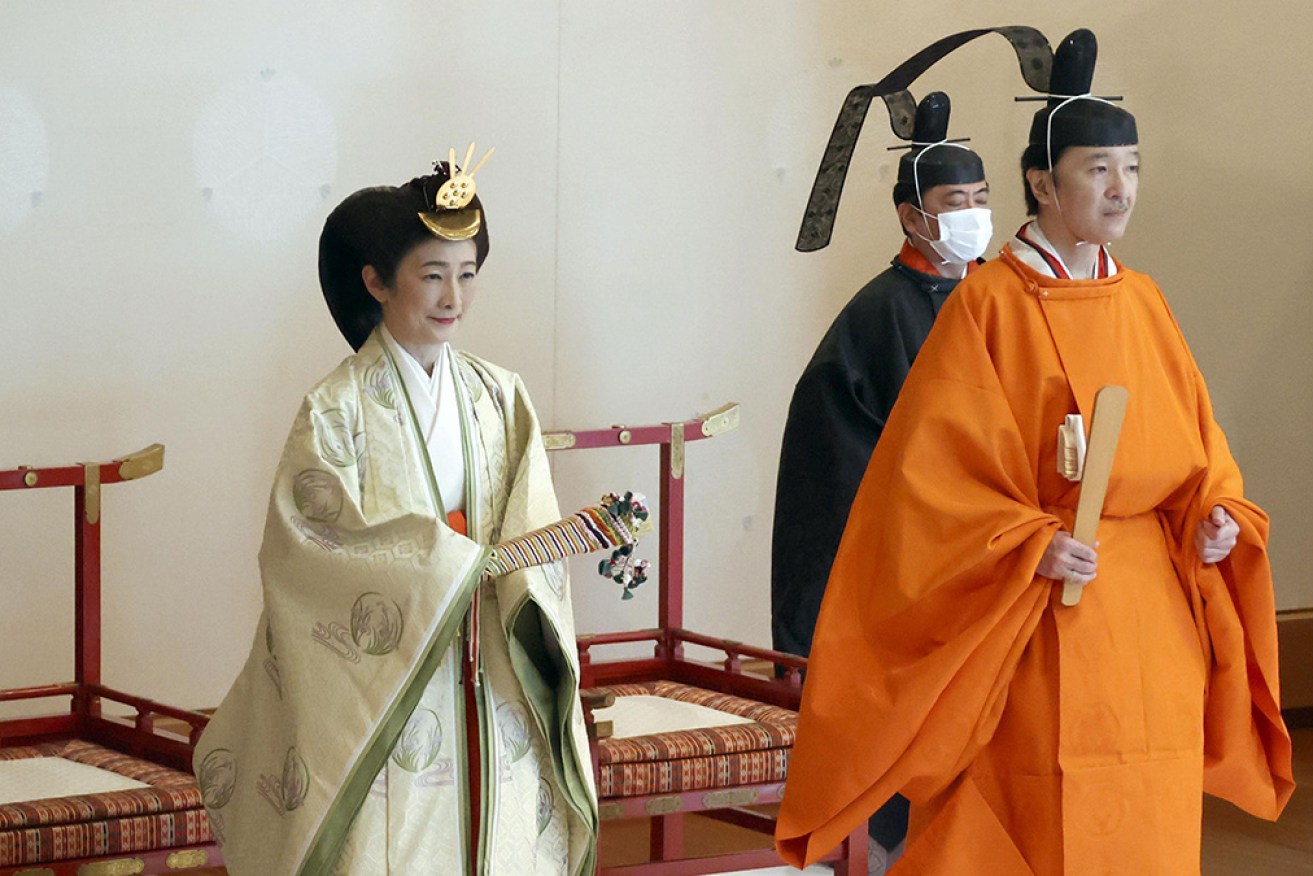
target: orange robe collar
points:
(912, 258)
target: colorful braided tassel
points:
(613, 523)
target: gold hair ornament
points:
(449, 218)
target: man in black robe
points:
(846, 392)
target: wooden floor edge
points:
(1299, 718)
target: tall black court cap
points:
(1072, 116)
(933, 160)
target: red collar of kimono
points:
(1055, 264)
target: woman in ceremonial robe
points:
(410, 704)
(1033, 737)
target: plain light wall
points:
(652, 165)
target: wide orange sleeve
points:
(1247, 751)
(931, 600)
(1247, 754)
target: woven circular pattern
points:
(265, 154)
(24, 158)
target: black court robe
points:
(838, 411)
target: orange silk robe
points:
(1030, 737)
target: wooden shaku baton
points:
(1106, 428)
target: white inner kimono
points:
(434, 400)
(1028, 252)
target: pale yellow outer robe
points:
(341, 746)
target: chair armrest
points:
(596, 699)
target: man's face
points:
(1094, 190)
(942, 199)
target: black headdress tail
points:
(934, 160)
(1072, 116)
(1033, 54)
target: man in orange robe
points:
(1033, 738)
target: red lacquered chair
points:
(732, 774)
(159, 826)
(727, 773)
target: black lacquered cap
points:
(939, 163)
(1086, 122)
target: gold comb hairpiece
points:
(449, 219)
(457, 192)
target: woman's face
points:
(431, 293)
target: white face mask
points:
(963, 234)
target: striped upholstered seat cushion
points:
(699, 758)
(168, 813)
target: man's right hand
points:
(1066, 559)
